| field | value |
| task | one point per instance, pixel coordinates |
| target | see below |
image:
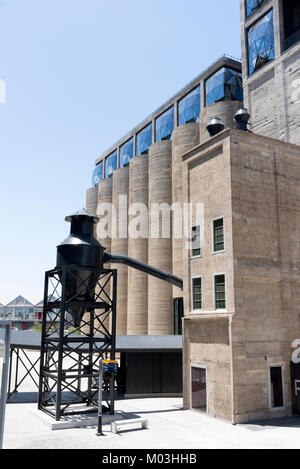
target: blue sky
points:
(79, 75)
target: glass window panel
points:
(189, 107)
(165, 125)
(97, 174)
(253, 5)
(126, 153)
(144, 140)
(225, 85)
(197, 293)
(218, 235)
(261, 47)
(111, 164)
(220, 300)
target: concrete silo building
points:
(145, 166)
(239, 308)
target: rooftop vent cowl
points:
(215, 126)
(242, 117)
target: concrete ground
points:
(170, 427)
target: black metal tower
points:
(79, 324)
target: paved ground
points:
(170, 427)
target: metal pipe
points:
(148, 269)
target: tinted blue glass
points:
(126, 153)
(189, 107)
(165, 125)
(110, 164)
(253, 5)
(224, 85)
(97, 174)
(144, 140)
(261, 43)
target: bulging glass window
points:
(144, 140)
(126, 153)
(97, 174)
(261, 49)
(165, 125)
(189, 107)
(225, 85)
(111, 164)
(253, 5)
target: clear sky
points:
(79, 74)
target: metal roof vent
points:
(215, 126)
(242, 117)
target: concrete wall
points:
(266, 219)
(272, 93)
(261, 262)
(206, 343)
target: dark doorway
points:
(295, 380)
(276, 387)
(199, 395)
(154, 373)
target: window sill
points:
(214, 253)
(196, 257)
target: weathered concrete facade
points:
(253, 183)
(272, 93)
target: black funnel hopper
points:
(80, 249)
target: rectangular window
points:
(199, 398)
(197, 293)
(291, 16)
(276, 387)
(219, 235)
(196, 241)
(220, 300)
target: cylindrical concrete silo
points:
(105, 217)
(92, 201)
(119, 242)
(184, 138)
(137, 315)
(224, 110)
(160, 296)
(91, 207)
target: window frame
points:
(197, 256)
(195, 311)
(276, 365)
(214, 290)
(213, 235)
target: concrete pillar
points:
(137, 317)
(224, 110)
(160, 297)
(119, 244)
(184, 138)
